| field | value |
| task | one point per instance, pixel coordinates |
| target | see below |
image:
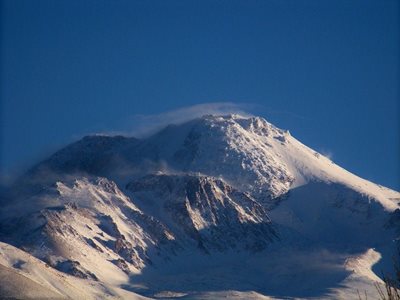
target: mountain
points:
(219, 206)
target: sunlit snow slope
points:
(220, 206)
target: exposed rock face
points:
(92, 219)
(207, 210)
(89, 220)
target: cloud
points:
(147, 124)
(143, 125)
(327, 153)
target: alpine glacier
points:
(217, 207)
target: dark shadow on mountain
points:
(300, 274)
(334, 223)
(281, 273)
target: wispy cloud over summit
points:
(146, 124)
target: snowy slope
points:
(256, 156)
(228, 204)
(249, 153)
(26, 277)
(87, 227)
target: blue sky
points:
(326, 70)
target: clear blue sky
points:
(326, 70)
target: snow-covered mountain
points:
(220, 206)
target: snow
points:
(217, 207)
(29, 272)
(361, 265)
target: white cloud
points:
(146, 124)
(327, 153)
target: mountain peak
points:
(250, 123)
(245, 151)
(221, 184)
